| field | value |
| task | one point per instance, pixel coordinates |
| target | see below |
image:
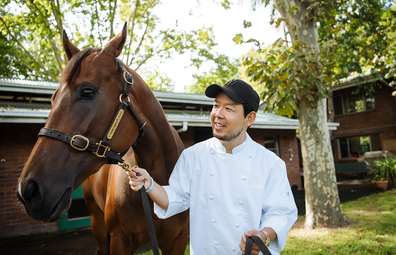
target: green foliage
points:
(289, 75)
(389, 28)
(351, 41)
(384, 169)
(32, 30)
(223, 71)
(157, 81)
(350, 35)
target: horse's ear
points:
(69, 48)
(116, 44)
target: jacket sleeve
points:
(279, 207)
(178, 190)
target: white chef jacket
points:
(229, 194)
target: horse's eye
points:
(87, 93)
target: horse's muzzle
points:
(41, 206)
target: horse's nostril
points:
(32, 191)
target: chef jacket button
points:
(237, 225)
(233, 249)
(216, 243)
(250, 156)
(211, 197)
(213, 221)
(211, 174)
(241, 202)
(244, 177)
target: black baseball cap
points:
(238, 91)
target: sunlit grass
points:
(373, 231)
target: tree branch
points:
(53, 44)
(133, 17)
(142, 39)
(112, 15)
(27, 52)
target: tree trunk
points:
(322, 202)
(321, 194)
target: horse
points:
(83, 110)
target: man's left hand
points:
(253, 232)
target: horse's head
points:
(85, 103)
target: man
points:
(234, 187)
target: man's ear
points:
(250, 118)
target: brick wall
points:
(381, 120)
(384, 113)
(287, 140)
(17, 140)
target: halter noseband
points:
(102, 149)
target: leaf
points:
(238, 39)
(293, 8)
(310, 97)
(274, 98)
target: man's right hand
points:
(139, 177)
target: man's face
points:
(227, 118)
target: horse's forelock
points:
(74, 64)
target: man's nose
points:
(219, 112)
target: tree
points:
(224, 70)
(389, 28)
(34, 28)
(294, 79)
(297, 78)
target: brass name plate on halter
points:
(115, 124)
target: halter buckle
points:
(125, 78)
(106, 149)
(82, 138)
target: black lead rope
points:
(149, 220)
(249, 245)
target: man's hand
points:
(253, 232)
(139, 177)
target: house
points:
(367, 121)
(24, 108)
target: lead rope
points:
(249, 245)
(147, 211)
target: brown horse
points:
(84, 105)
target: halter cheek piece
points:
(102, 149)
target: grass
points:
(373, 231)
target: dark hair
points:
(246, 109)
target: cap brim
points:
(213, 90)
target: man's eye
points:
(87, 93)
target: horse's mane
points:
(74, 65)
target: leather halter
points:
(102, 149)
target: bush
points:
(384, 170)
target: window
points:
(271, 143)
(356, 146)
(349, 103)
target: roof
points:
(355, 80)
(24, 113)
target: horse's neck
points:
(158, 149)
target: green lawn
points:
(373, 231)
